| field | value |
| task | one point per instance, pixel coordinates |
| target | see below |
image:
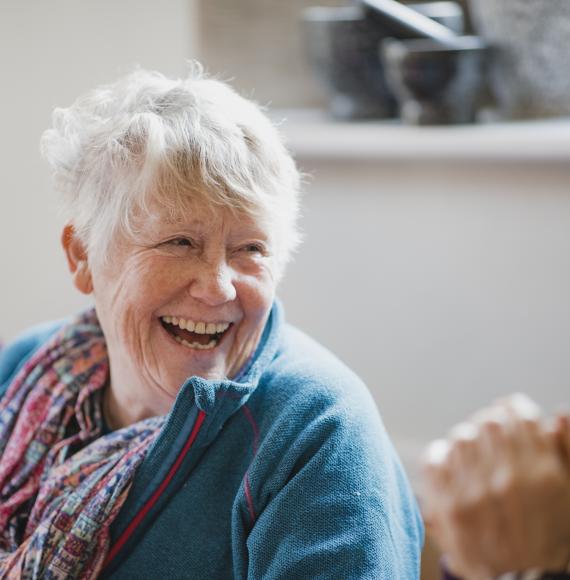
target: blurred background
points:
(436, 260)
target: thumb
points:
(562, 435)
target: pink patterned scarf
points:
(62, 480)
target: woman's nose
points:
(213, 284)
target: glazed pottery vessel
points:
(342, 47)
(436, 85)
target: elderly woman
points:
(180, 428)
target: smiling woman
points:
(181, 427)
(209, 280)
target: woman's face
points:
(187, 297)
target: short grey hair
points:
(147, 137)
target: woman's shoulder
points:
(302, 363)
(307, 381)
(17, 352)
(315, 416)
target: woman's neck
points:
(120, 413)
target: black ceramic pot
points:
(436, 85)
(342, 47)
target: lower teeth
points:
(197, 345)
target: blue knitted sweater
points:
(285, 473)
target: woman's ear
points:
(76, 255)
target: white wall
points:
(50, 53)
(443, 284)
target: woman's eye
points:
(180, 242)
(254, 249)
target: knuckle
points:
(463, 511)
(436, 455)
(503, 487)
(493, 426)
(524, 406)
(460, 515)
(549, 482)
(531, 424)
(463, 432)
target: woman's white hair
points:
(148, 138)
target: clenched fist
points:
(496, 493)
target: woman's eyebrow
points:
(181, 223)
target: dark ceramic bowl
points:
(436, 85)
(342, 47)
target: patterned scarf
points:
(62, 480)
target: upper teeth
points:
(197, 327)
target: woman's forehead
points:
(203, 218)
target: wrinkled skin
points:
(496, 493)
(206, 264)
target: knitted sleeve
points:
(336, 503)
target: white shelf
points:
(312, 135)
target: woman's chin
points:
(208, 363)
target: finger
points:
(522, 431)
(435, 472)
(562, 425)
(525, 423)
(493, 412)
(496, 413)
(464, 431)
(521, 406)
(436, 453)
(435, 468)
(562, 436)
(465, 461)
(494, 436)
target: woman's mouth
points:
(195, 334)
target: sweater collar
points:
(219, 399)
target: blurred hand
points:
(496, 493)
